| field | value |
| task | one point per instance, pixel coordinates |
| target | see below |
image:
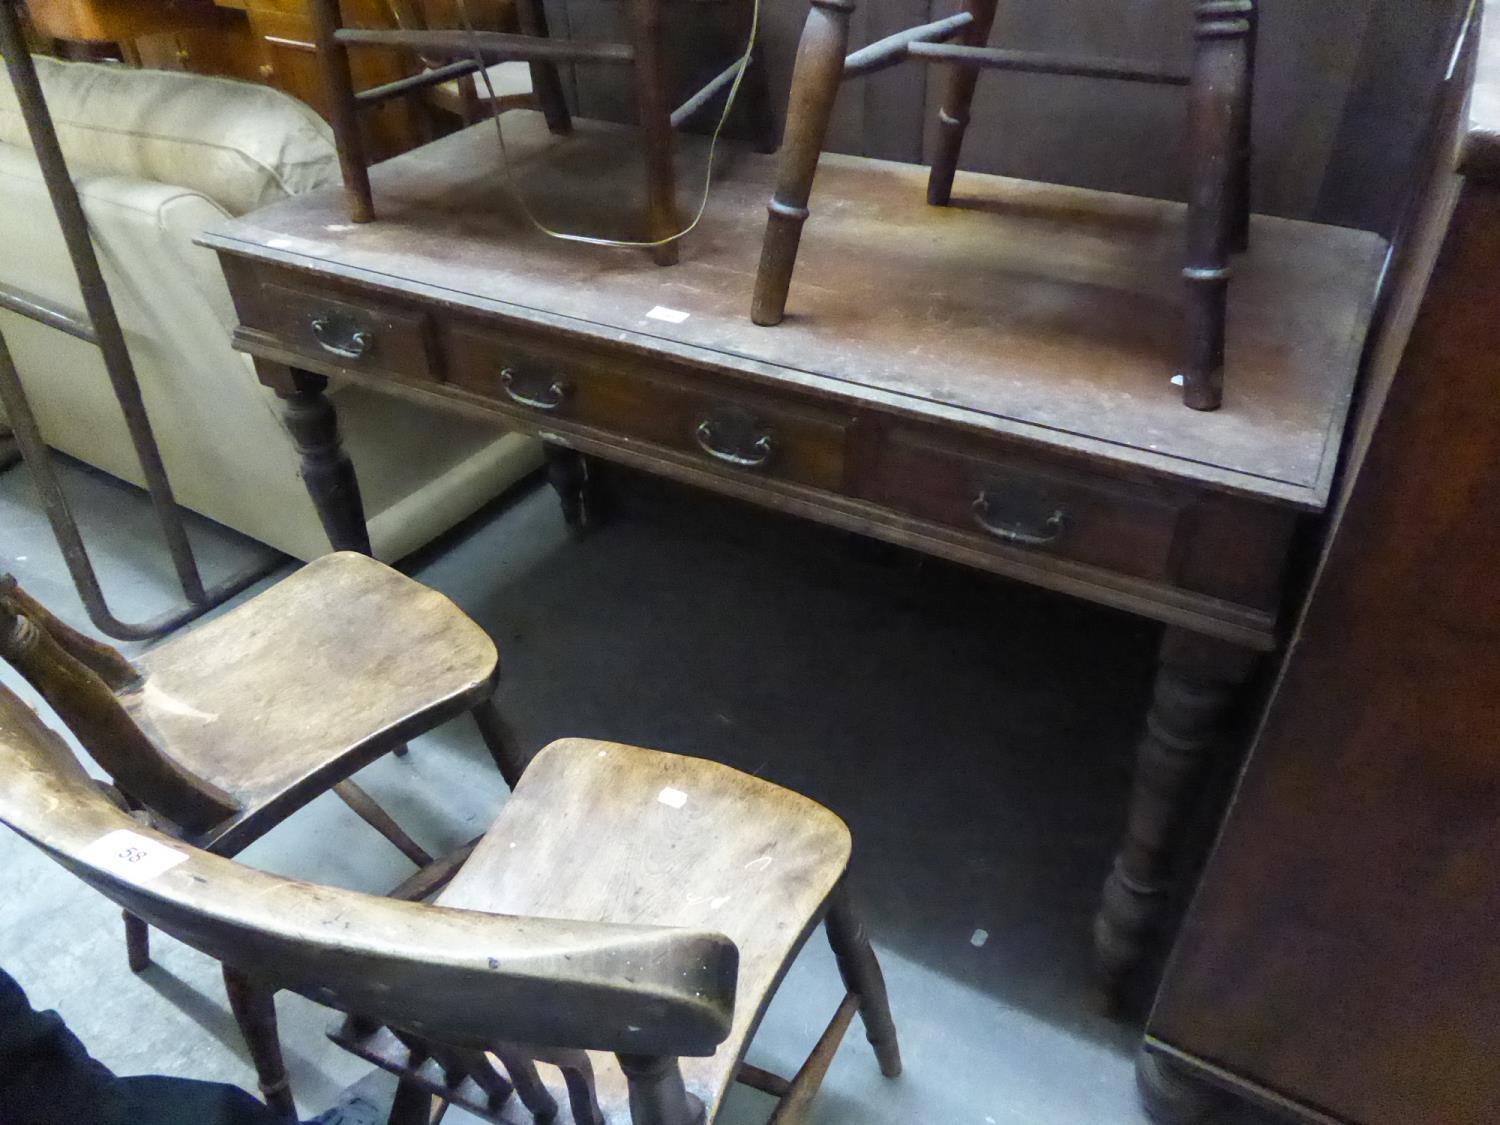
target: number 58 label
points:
(129, 854)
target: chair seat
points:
(311, 680)
(597, 831)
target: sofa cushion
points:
(242, 145)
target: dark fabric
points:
(48, 1078)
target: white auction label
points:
(671, 316)
(136, 857)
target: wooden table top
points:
(1046, 313)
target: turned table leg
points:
(1197, 682)
(573, 477)
(815, 84)
(327, 472)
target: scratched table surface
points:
(1051, 314)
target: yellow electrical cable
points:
(590, 240)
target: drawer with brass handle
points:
(362, 335)
(721, 428)
(1041, 507)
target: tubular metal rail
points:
(102, 329)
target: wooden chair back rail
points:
(1218, 144)
(466, 978)
(452, 51)
(65, 668)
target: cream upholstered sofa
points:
(158, 156)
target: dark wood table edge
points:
(1310, 498)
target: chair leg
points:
(137, 942)
(377, 818)
(1239, 210)
(412, 1106)
(1216, 109)
(953, 117)
(815, 84)
(499, 741)
(862, 977)
(254, 1010)
(343, 110)
(546, 83)
(645, 20)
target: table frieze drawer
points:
(1018, 502)
(737, 433)
(363, 335)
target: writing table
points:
(987, 382)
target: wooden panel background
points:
(1344, 86)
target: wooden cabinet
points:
(1340, 960)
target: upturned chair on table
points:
(643, 53)
(626, 920)
(1218, 143)
(221, 732)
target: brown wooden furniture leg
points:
(1171, 1096)
(327, 471)
(1216, 108)
(1197, 681)
(655, 116)
(499, 741)
(137, 943)
(815, 84)
(254, 1010)
(1239, 233)
(953, 116)
(862, 977)
(546, 83)
(343, 112)
(657, 1093)
(571, 475)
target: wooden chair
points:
(626, 920)
(221, 732)
(644, 53)
(1218, 141)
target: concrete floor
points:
(976, 735)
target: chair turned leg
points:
(1216, 107)
(953, 116)
(499, 741)
(343, 110)
(546, 84)
(137, 942)
(645, 20)
(1239, 210)
(254, 1010)
(815, 85)
(862, 976)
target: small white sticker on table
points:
(671, 316)
(136, 857)
(673, 798)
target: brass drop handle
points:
(1049, 531)
(340, 338)
(755, 453)
(551, 399)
